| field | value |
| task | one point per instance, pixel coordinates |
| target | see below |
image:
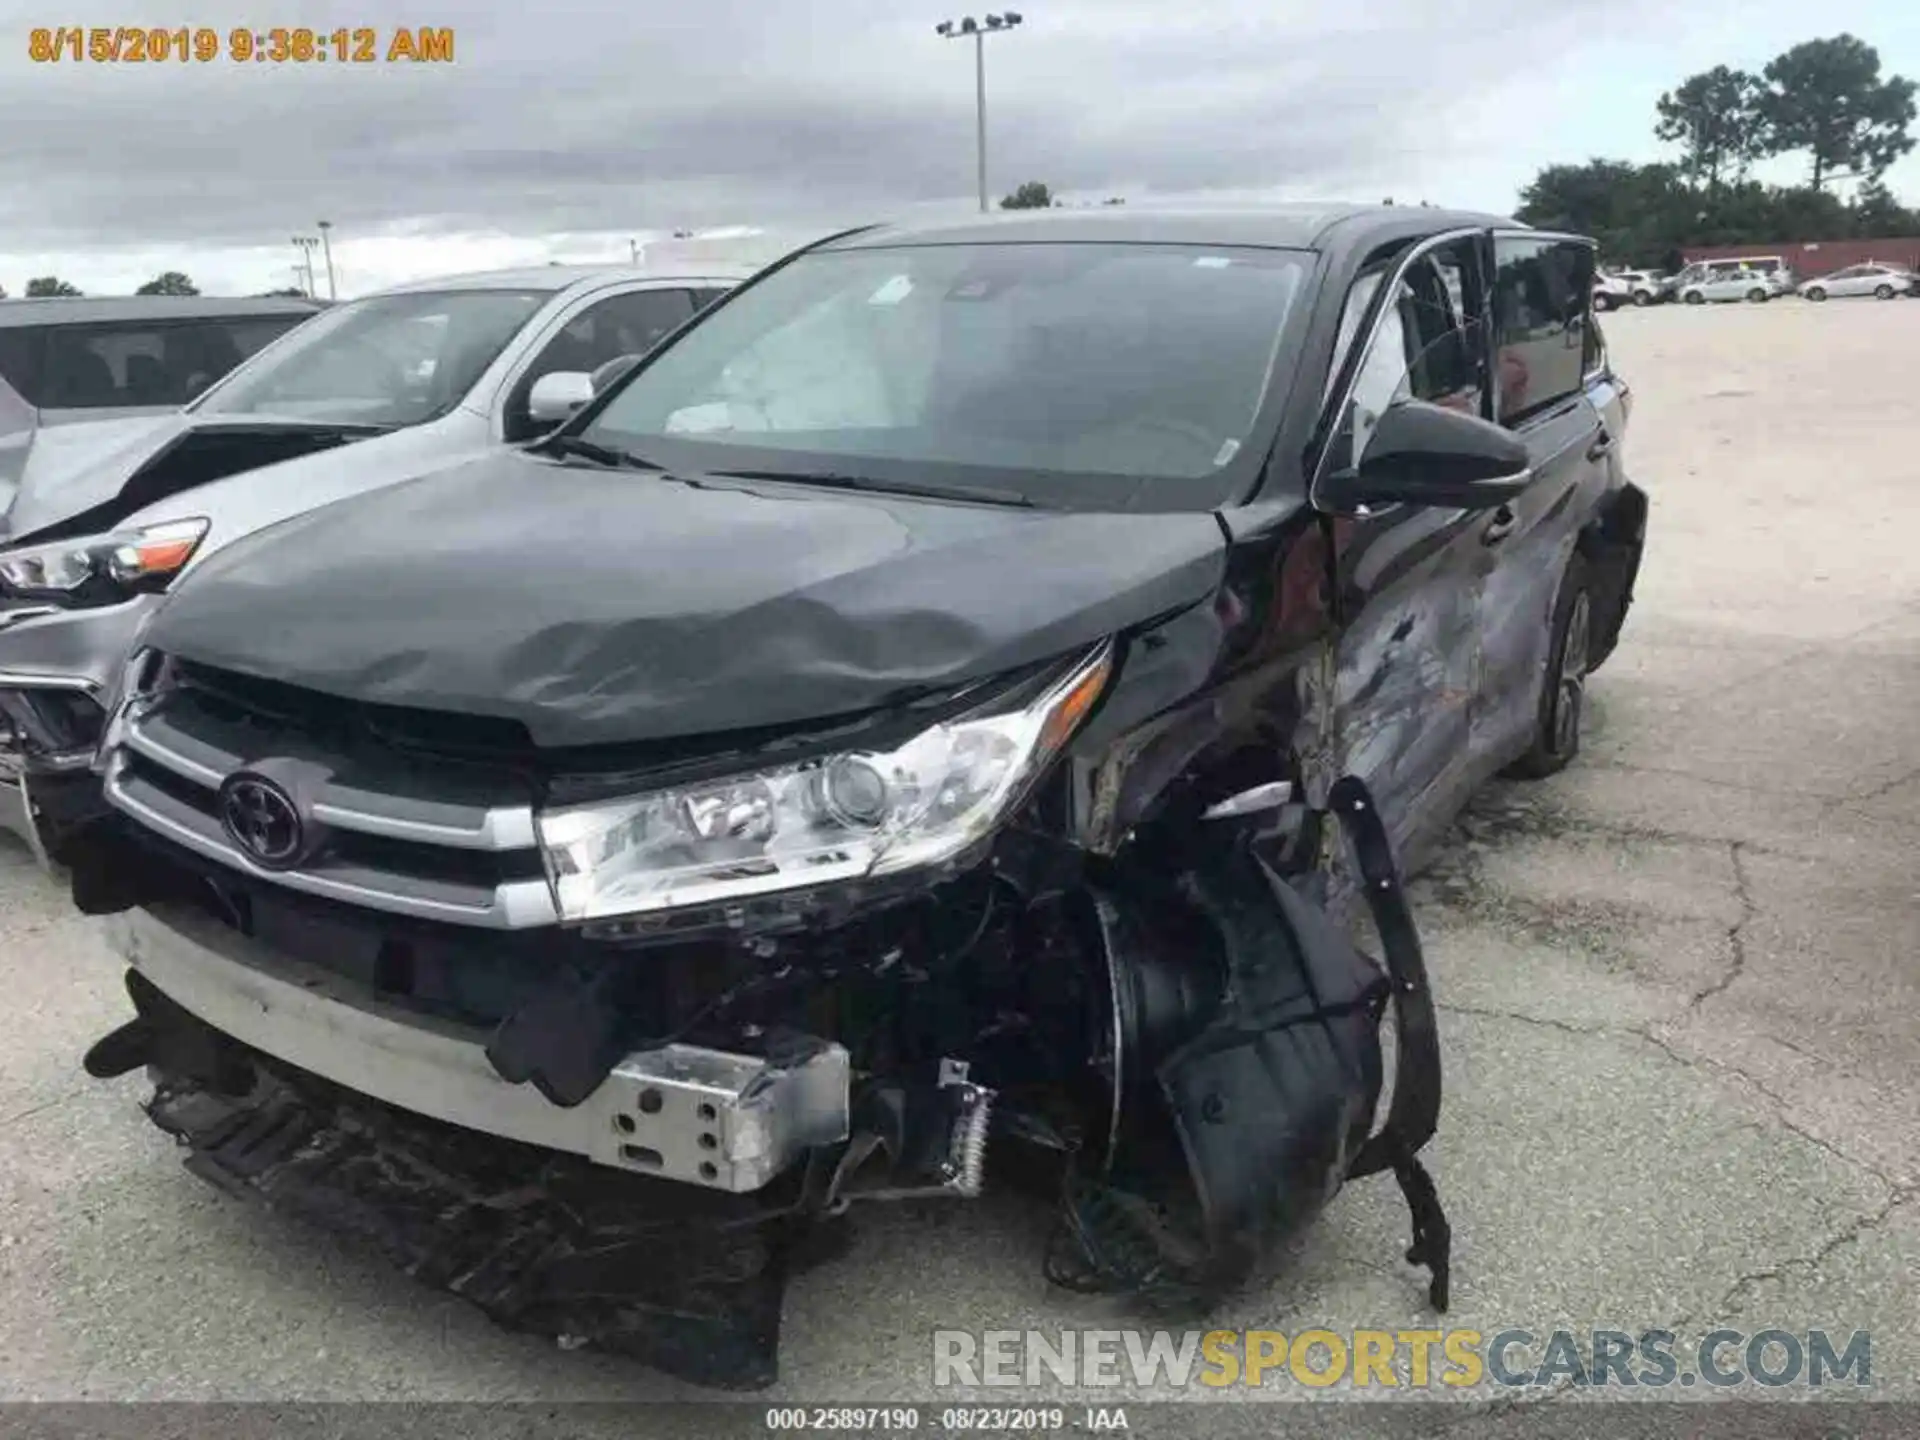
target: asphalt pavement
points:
(1679, 989)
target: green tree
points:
(1714, 117)
(47, 286)
(1636, 212)
(1031, 196)
(1877, 215)
(291, 293)
(1826, 97)
(169, 282)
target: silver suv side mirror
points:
(555, 397)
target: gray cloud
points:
(581, 118)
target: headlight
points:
(101, 568)
(845, 817)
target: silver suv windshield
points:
(387, 361)
(1058, 372)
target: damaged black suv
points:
(942, 705)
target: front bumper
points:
(703, 1117)
(67, 656)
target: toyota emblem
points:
(263, 820)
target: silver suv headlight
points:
(848, 816)
(101, 569)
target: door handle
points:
(1500, 526)
(1600, 447)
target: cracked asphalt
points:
(1679, 989)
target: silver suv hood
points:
(231, 470)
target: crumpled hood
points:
(71, 469)
(599, 606)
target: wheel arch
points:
(1612, 543)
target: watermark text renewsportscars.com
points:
(1402, 1359)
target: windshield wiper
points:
(561, 446)
(838, 480)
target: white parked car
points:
(1631, 287)
(1883, 282)
(1699, 284)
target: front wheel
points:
(1694, 297)
(1603, 303)
(1757, 295)
(1816, 294)
(1643, 297)
(1883, 292)
(1556, 736)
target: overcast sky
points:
(562, 135)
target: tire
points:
(1883, 292)
(1694, 297)
(1816, 294)
(1757, 295)
(1603, 303)
(1556, 735)
(1643, 297)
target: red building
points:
(1820, 257)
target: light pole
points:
(306, 245)
(978, 30)
(326, 246)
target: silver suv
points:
(1631, 287)
(374, 392)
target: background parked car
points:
(1719, 280)
(1883, 282)
(1631, 287)
(95, 359)
(372, 393)
(1610, 292)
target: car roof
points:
(1277, 226)
(92, 309)
(555, 278)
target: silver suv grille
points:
(430, 837)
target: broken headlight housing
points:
(100, 569)
(849, 816)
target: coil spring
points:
(970, 1144)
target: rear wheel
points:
(1603, 303)
(1757, 295)
(1883, 292)
(1556, 738)
(1816, 294)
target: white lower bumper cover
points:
(728, 1122)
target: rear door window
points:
(1542, 291)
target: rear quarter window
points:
(103, 366)
(20, 360)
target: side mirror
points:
(555, 397)
(1425, 454)
(605, 375)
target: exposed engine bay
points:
(1173, 1044)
